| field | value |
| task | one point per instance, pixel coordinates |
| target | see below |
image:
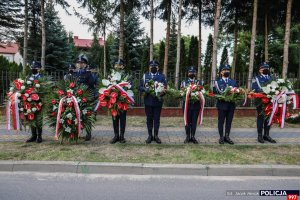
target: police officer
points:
(260, 80)
(193, 109)
(36, 131)
(95, 80)
(84, 77)
(153, 105)
(71, 73)
(225, 109)
(119, 121)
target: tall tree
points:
(25, 35)
(208, 54)
(286, 39)
(224, 57)
(178, 45)
(43, 34)
(252, 47)
(215, 40)
(161, 53)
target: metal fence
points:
(241, 78)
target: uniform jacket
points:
(219, 88)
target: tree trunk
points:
(215, 40)
(252, 47)
(266, 38)
(287, 39)
(235, 44)
(25, 46)
(151, 29)
(199, 74)
(104, 51)
(178, 46)
(165, 70)
(299, 62)
(121, 42)
(43, 34)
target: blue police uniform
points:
(153, 105)
(36, 131)
(193, 113)
(262, 124)
(225, 109)
(71, 74)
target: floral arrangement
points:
(233, 95)
(277, 99)
(155, 88)
(25, 103)
(115, 93)
(70, 110)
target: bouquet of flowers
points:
(115, 93)
(70, 110)
(25, 103)
(277, 99)
(155, 88)
(233, 95)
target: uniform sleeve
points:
(255, 86)
(215, 90)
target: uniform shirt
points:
(149, 100)
(259, 81)
(85, 77)
(35, 76)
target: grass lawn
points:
(135, 153)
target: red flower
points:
(71, 135)
(27, 105)
(128, 100)
(17, 84)
(88, 113)
(60, 92)
(29, 91)
(35, 81)
(53, 101)
(103, 103)
(23, 97)
(84, 99)
(72, 85)
(69, 121)
(119, 104)
(22, 116)
(101, 97)
(69, 94)
(79, 92)
(109, 105)
(265, 100)
(201, 87)
(114, 112)
(125, 106)
(70, 105)
(62, 109)
(106, 92)
(30, 116)
(113, 95)
(38, 107)
(113, 100)
(53, 114)
(124, 95)
(35, 97)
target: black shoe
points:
(187, 140)
(221, 140)
(269, 139)
(193, 140)
(149, 139)
(39, 139)
(227, 139)
(260, 139)
(114, 140)
(157, 140)
(32, 138)
(122, 139)
(88, 137)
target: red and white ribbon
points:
(186, 105)
(275, 106)
(12, 108)
(59, 112)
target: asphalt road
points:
(43, 186)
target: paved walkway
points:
(168, 135)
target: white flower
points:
(78, 99)
(84, 111)
(105, 82)
(22, 87)
(62, 120)
(37, 85)
(75, 121)
(129, 86)
(101, 90)
(12, 89)
(28, 111)
(277, 92)
(18, 101)
(69, 115)
(31, 79)
(33, 109)
(266, 89)
(130, 93)
(18, 94)
(29, 99)
(28, 82)
(69, 100)
(274, 84)
(238, 91)
(68, 130)
(21, 109)
(289, 102)
(25, 113)
(193, 94)
(284, 89)
(69, 90)
(280, 80)
(197, 93)
(26, 95)
(54, 107)
(116, 76)
(40, 104)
